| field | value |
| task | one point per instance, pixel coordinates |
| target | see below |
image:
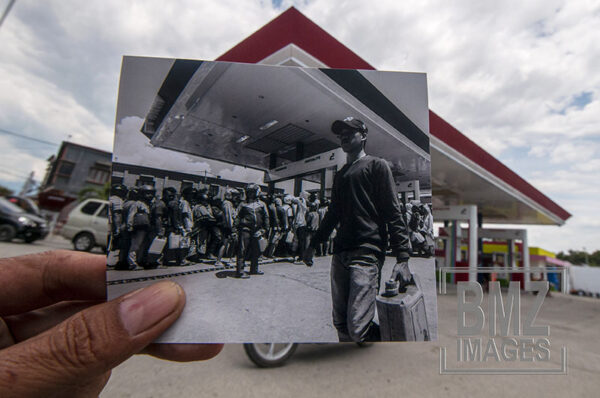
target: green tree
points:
(95, 192)
(4, 191)
(579, 257)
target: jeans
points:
(354, 286)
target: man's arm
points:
(266, 220)
(388, 204)
(132, 211)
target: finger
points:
(32, 323)
(183, 352)
(90, 343)
(38, 280)
(6, 338)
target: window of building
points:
(144, 180)
(65, 168)
(98, 174)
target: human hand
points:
(59, 338)
(402, 274)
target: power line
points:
(4, 131)
(12, 173)
(7, 10)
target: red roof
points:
(292, 27)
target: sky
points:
(519, 78)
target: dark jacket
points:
(365, 204)
(282, 218)
(159, 216)
(252, 216)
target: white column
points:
(473, 244)
(513, 254)
(447, 251)
(525, 257)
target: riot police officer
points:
(138, 225)
(116, 248)
(252, 222)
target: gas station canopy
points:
(462, 172)
(266, 116)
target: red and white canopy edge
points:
(463, 173)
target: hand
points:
(402, 274)
(59, 338)
(308, 255)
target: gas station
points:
(276, 120)
(468, 185)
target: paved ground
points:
(382, 370)
(290, 302)
(385, 369)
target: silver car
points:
(87, 225)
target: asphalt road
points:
(381, 370)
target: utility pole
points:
(28, 185)
(11, 3)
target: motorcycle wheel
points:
(269, 355)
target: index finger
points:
(38, 280)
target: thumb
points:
(90, 343)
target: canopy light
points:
(268, 125)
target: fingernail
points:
(146, 307)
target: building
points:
(469, 185)
(133, 175)
(74, 168)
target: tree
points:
(4, 191)
(579, 257)
(95, 192)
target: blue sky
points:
(519, 78)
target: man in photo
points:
(251, 223)
(365, 208)
(138, 225)
(117, 250)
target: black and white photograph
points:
(292, 204)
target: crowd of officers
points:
(176, 229)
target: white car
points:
(86, 225)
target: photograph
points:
(292, 204)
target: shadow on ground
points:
(225, 274)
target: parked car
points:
(17, 223)
(86, 225)
(26, 204)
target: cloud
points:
(133, 147)
(520, 79)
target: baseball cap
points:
(351, 123)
